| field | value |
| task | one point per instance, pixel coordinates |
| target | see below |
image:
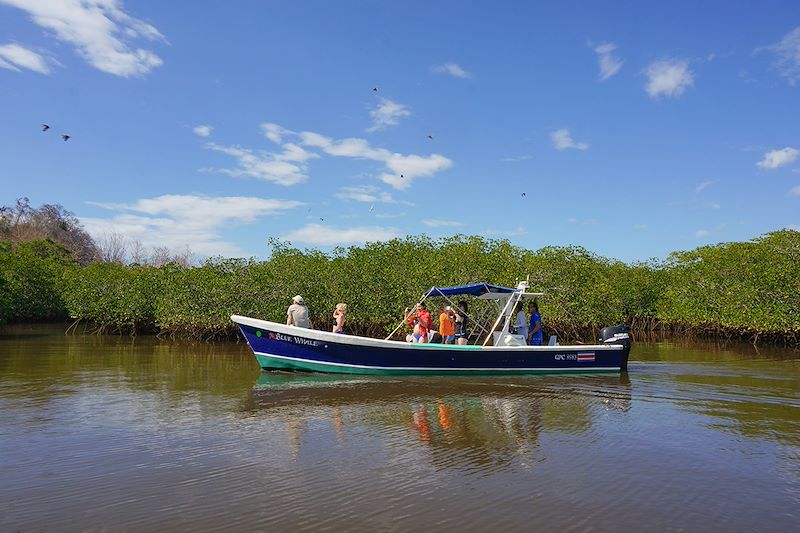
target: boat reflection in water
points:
(462, 422)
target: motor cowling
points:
(618, 335)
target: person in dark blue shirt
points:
(535, 335)
(461, 323)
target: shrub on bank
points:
(749, 289)
(116, 298)
(31, 278)
(5, 300)
(198, 302)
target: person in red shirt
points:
(422, 322)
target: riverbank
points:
(748, 291)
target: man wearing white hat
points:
(297, 314)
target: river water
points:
(120, 434)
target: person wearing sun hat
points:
(297, 314)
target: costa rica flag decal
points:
(586, 357)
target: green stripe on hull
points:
(276, 363)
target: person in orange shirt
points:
(447, 325)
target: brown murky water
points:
(110, 433)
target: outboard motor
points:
(618, 335)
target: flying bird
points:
(66, 137)
(371, 208)
(430, 137)
(402, 176)
(523, 195)
(45, 127)
(375, 89)
(321, 219)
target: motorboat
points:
(495, 349)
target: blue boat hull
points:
(280, 347)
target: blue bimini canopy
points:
(476, 289)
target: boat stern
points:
(618, 335)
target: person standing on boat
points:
(461, 323)
(297, 314)
(535, 336)
(522, 321)
(422, 321)
(338, 318)
(447, 325)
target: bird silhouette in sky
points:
(321, 219)
(66, 137)
(402, 176)
(430, 137)
(375, 89)
(523, 195)
(45, 127)
(371, 208)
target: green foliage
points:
(31, 275)
(751, 287)
(6, 300)
(639, 287)
(578, 286)
(115, 297)
(754, 286)
(198, 302)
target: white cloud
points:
(284, 168)
(562, 140)
(99, 30)
(274, 132)
(516, 232)
(434, 223)
(453, 70)
(795, 191)
(366, 193)
(178, 221)
(388, 113)
(701, 234)
(14, 57)
(778, 158)
(703, 186)
(788, 56)
(668, 77)
(712, 205)
(289, 166)
(609, 63)
(515, 158)
(350, 147)
(390, 215)
(203, 130)
(319, 235)
(404, 169)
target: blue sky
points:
(633, 128)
